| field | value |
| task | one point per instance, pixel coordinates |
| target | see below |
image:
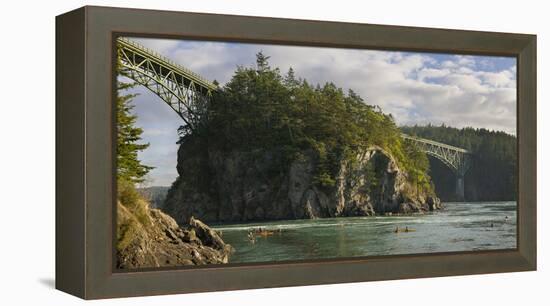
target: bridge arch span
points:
(456, 159)
(186, 92)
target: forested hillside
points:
(493, 175)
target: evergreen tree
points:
(262, 62)
(290, 79)
(129, 167)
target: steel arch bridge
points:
(186, 92)
(456, 159)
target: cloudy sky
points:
(417, 88)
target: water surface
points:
(458, 227)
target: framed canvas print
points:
(200, 152)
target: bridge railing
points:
(146, 52)
(435, 143)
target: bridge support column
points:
(460, 187)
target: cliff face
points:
(247, 186)
(150, 238)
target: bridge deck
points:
(435, 143)
(167, 63)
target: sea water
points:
(458, 227)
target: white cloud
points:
(162, 46)
(465, 60)
(505, 78)
(449, 64)
(429, 73)
(415, 88)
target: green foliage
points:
(127, 194)
(130, 198)
(417, 165)
(259, 109)
(371, 176)
(132, 213)
(133, 210)
(129, 167)
(127, 230)
(493, 175)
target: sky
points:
(416, 88)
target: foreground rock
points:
(246, 186)
(151, 238)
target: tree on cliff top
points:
(129, 167)
(259, 109)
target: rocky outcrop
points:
(153, 239)
(246, 186)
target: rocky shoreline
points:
(158, 241)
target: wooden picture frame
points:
(85, 53)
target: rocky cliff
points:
(259, 185)
(149, 238)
